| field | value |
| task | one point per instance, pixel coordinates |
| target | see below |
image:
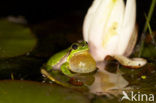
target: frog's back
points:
(56, 58)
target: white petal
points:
(131, 63)
(88, 18)
(108, 13)
(128, 26)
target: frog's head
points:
(80, 59)
(80, 46)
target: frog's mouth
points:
(82, 62)
(85, 52)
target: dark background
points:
(37, 11)
(43, 10)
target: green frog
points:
(74, 60)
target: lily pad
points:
(15, 39)
(33, 92)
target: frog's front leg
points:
(65, 70)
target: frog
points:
(74, 60)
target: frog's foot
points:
(46, 74)
(130, 62)
(66, 71)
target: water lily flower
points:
(110, 29)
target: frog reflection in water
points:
(73, 60)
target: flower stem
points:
(147, 25)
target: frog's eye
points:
(74, 46)
(87, 43)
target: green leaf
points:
(15, 39)
(34, 92)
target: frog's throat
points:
(66, 58)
